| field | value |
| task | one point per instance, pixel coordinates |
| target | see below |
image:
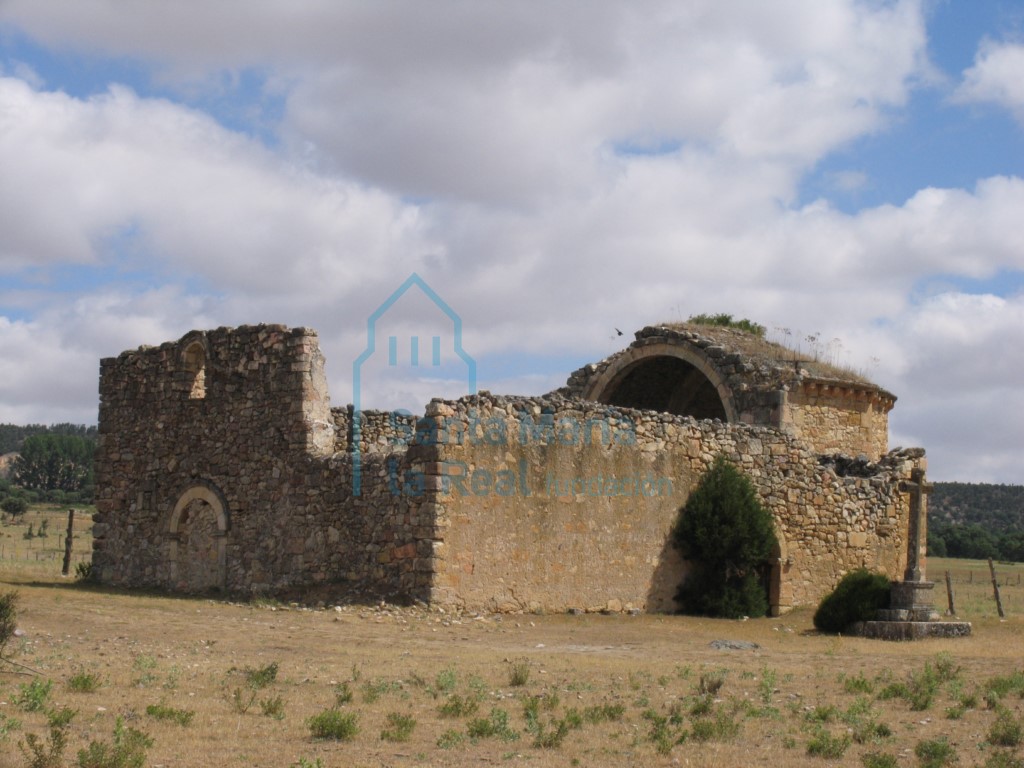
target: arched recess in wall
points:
(193, 363)
(197, 534)
(664, 377)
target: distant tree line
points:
(976, 521)
(13, 435)
(54, 464)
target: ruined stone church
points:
(221, 465)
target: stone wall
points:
(838, 418)
(555, 504)
(232, 485)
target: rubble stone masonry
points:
(222, 466)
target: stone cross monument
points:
(912, 598)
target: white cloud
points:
(552, 175)
(996, 77)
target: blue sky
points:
(849, 169)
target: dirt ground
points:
(613, 690)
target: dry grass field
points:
(215, 683)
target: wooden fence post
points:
(949, 595)
(995, 588)
(66, 568)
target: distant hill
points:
(999, 508)
(976, 520)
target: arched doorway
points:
(198, 541)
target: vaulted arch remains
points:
(667, 378)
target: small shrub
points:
(8, 618)
(8, 724)
(998, 687)
(45, 754)
(84, 682)
(306, 763)
(858, 684)
(1003, 760)
(824, 744)
(458, 706)
(878, 760)
(334, 724)
(496, 725)
(894, 691)
(922, 687)
(450, 739)
(601, 713)
(343, 693)
(399, 728)
(161, 712)
(662, 733)
(728, 536)
(552, 736)
(1005, 731)
(258, 679)
(858, 597)
(31, 697)
(822, 714)
(935, 753)
(446, 680)
(60, 718)
(128, 750)
(518, 673)
(870, 732)
(955, 712)
(145, 666)
(711, 683)
(272, 707)
(766, 686)
(721, 727)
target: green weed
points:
(170, 714)
(721, 727)
(458, 706)
(519, 673)
(343, 693)
(273, 707)
(32, 696)
(824, 744)
(496, 725)
(399, 728)
(935, 753)
(1006, 730)
(878, 760)
(84, 682)
(334, 724)
(127, 750)
(450, 739)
